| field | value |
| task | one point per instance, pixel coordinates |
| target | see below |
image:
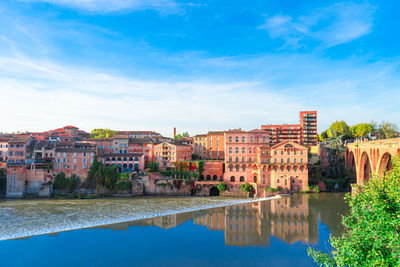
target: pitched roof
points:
(289, 142)
(216, 132)
(19, 139)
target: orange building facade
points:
(168, 153)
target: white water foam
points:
(21, 219)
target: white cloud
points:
(105, 6)
(336, 24)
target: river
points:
(210, 231)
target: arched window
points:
(301, 168)
(215, 177)
(251, 139)
(236, 150)
(301, 160)
(288, 169)
(243, 139)
(241, 179)
(230, 150)
(237, 139)
(276, 169)
(237, 168)
(230, 168)
(250, 150)
(243, 150)
(232, 178)
(255, 179)
(230, 138)
(295, 169)
(282, 169)
(244, 167)
(237, 159)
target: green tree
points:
(200, 167)
(153, 166)
(102, 133)
(387, 130)
(338, 128)
(322, 136)
(222, 187)
(336, 160)
(179, 136)
(362, 130)
(372, 228)
(60, 181)
(246, 187)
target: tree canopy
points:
(338, 128)
(372, 229)
(185, 134)
(102, 133)
(387, 130)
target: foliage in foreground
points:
(372, 229)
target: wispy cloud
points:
(105, 6)
(333, 25)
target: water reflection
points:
(290, 219)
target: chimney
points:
(174, 132)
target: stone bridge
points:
(372, 157)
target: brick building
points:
(304, 133)
(200, 145)
(168, 153)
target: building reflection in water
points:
(290, 219)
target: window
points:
(243, 139)
(244, 168)
(301, 160)
(230, 159)
(282, 169)
(288, 160)
(274, 152)
(288, 169)
(276, 169)
(243, 150)
(237, 159)
(230, 150)
(241, 179)
(288, 152)
(237, 168)
(230, 168)
(251, 139)
(243, 159)
(295, 169)
(294, 152)
(236, 150)
(294, 160)
(236, 139)
(264, 139)
(230, 138)
(281, 152)
(301, 152)
(232, 178)
(281, 160)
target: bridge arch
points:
(351, 163)
(365, 168)
(385, 163)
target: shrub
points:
(73, 183)
(153, 166)
(222, 187)
(124, 185)
(316, 189)
(246, 187)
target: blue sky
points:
(196, 65)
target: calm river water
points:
(211, 231)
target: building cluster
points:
(272, 156)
